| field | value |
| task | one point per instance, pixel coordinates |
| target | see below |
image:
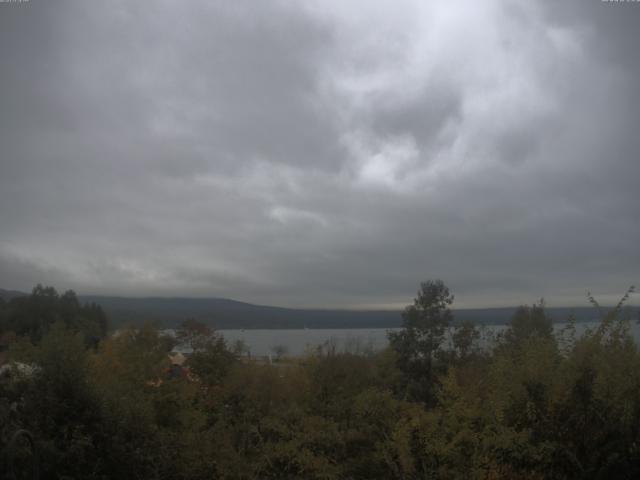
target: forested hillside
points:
(229, 314)
(223, 313)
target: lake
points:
(300, 341)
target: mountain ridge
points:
(225, 313)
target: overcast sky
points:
(322, 153)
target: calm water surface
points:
(300, 341)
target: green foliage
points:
(210, 358)
(33, 315)
(465, 339)
(528, 321)
(418, 345)
(63, 409)
(425, 322)
(537, 406)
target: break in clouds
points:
(326, 154)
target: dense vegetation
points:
(533, 405)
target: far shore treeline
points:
(78, 401)
(230, 314)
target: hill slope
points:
(229, 314)
(9, 294)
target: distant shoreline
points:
(222, 314)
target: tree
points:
(60, 407)
(418, 344)
(34, 314)
(210, 358)
(529, 321)
(193, 334)
(464, 338)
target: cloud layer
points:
(331, 154)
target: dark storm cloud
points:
(334, 154)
